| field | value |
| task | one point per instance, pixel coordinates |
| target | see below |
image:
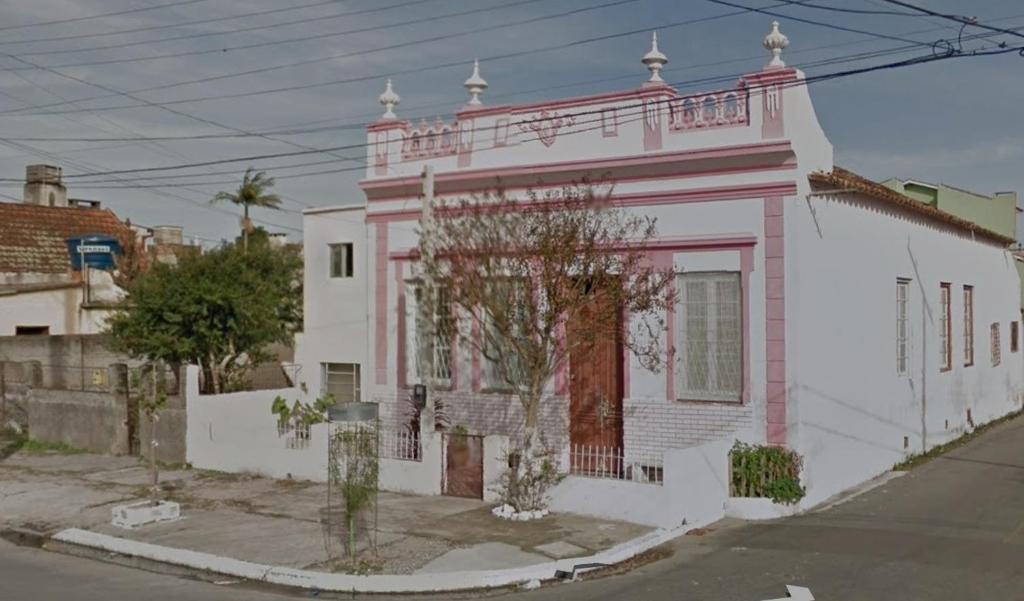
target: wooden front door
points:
(595, 395)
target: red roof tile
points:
(33, 239)
(842, 179)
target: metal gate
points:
(463, 466)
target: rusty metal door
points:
(595, 392)
(464, 466)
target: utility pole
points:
(427, 287)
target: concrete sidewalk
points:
(279, 523)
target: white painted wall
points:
(694, 491)
(849, 410)
(335, 321)
(236, 432)
(60, 309)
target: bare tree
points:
(524, 271)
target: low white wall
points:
(421, 477)
(694, 491)
(236, 432)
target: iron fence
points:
(615, 463)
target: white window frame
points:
(996, 344)
(713, 308)
(902, 326)
(968, 325)
(329, 368)
(945, 326)
(441, 347)
(345, 265)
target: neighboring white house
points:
(817, 310)
(43, 242)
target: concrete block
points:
(138, 514)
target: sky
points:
(117, 73)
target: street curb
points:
(24, 537)
(349, 583)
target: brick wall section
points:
(484, 414)
(653, 425)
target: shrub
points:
(766, 471)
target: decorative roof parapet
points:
(390, 100)
(655, 61)
(775, 42)
(475, 85)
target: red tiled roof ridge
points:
(846, 179)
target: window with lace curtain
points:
(709, 342)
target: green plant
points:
(765, 471)
(301, 414)
(530, 474)
(29, 445)
(220, 310)
(355, 469)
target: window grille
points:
(710, 337)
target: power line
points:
(634, 107)
(972, 21)
(264, 44)
(193, 36)
(169, 25)
(103, 15)
(297, 130)
(376, 76)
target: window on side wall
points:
(968, 326)
(997, 352)
(945, 325)
(342, 381)
(1014, 336)
(342, 260)
(434, 337)
(709, 356)
(902, 327)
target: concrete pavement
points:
(952, 529)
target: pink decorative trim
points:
(710, 110)
(380, 153)
(652, 111)
(746, 266)
(662, 260)
(429, 141)
(387, 124)
(551, 105)
(400, 361)
(745, 246)
(546, 126)
(475, 366)
(381, 318)
(408, 186)
(467, 132)
(642, 199)
(501, 132)
(609, 123)
(775, 314)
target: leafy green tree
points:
(219, 310)
(253, 192)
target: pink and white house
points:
(816, 309)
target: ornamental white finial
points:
(475, 84)
(390, 100)
(655, 60)
(775, 42)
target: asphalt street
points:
(952, 529)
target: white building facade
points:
(808, 312)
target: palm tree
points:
(252, 193)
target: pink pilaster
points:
(381, 302)
(400, 360)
